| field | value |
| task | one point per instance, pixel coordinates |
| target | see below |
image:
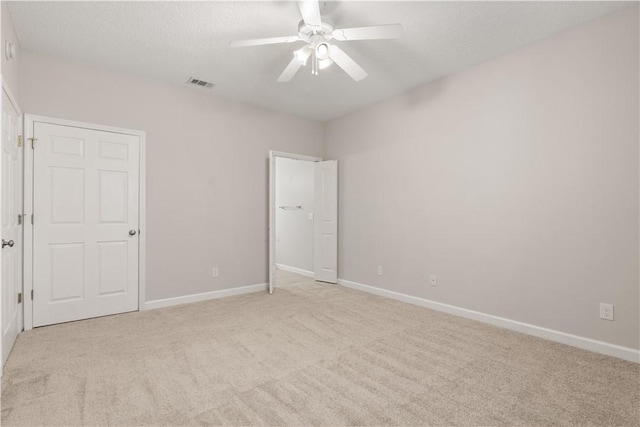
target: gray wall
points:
(206, 167)
(294, 229)
(515, 182)
(9, 68)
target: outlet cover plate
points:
(606, 311)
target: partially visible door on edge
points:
(11, 226)
(85, 232)
(325, 251)
(272, 223)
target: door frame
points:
(272, 207)
(29, 122)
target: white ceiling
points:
(172, 41)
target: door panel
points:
(86, 199)
(67, 271)
(113, 267)
(67, 195)
(11, 226)
(64, 147)
(113, 196)
(326, 222)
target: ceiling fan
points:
(319, 37)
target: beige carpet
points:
(309, 354)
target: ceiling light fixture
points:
(322, 50)
(324, 63)
(301, 55)
(321, 58)
(317, 35)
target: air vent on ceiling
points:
(199, 83)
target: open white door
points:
(86, 202)
(325, 250)
(11, 225)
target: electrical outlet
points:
(606, 311)
(215, 272)
(379, 270)
(434, 281)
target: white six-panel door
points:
(86, 221)
(11, 226)
(325, 251)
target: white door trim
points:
(272, 206)
(29, 120)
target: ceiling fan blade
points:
(375, 32)
(290, 71)
(258, 42)
(345, 62)
(299, 59)
(310, 11)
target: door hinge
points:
(33, 143)
(31, 294)
(19, 297)
(19, 140)
(20, 219)
(31, 219)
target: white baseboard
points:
(167, 302)
(601, 347)
(295, 270)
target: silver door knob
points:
(132, 232)
(10, 243)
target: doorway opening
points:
(303, 218)
(294, 215)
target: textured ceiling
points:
(172, 41)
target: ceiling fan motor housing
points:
(306, 32)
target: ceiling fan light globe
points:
(322, 51)
(324, 63)
(301, 56)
